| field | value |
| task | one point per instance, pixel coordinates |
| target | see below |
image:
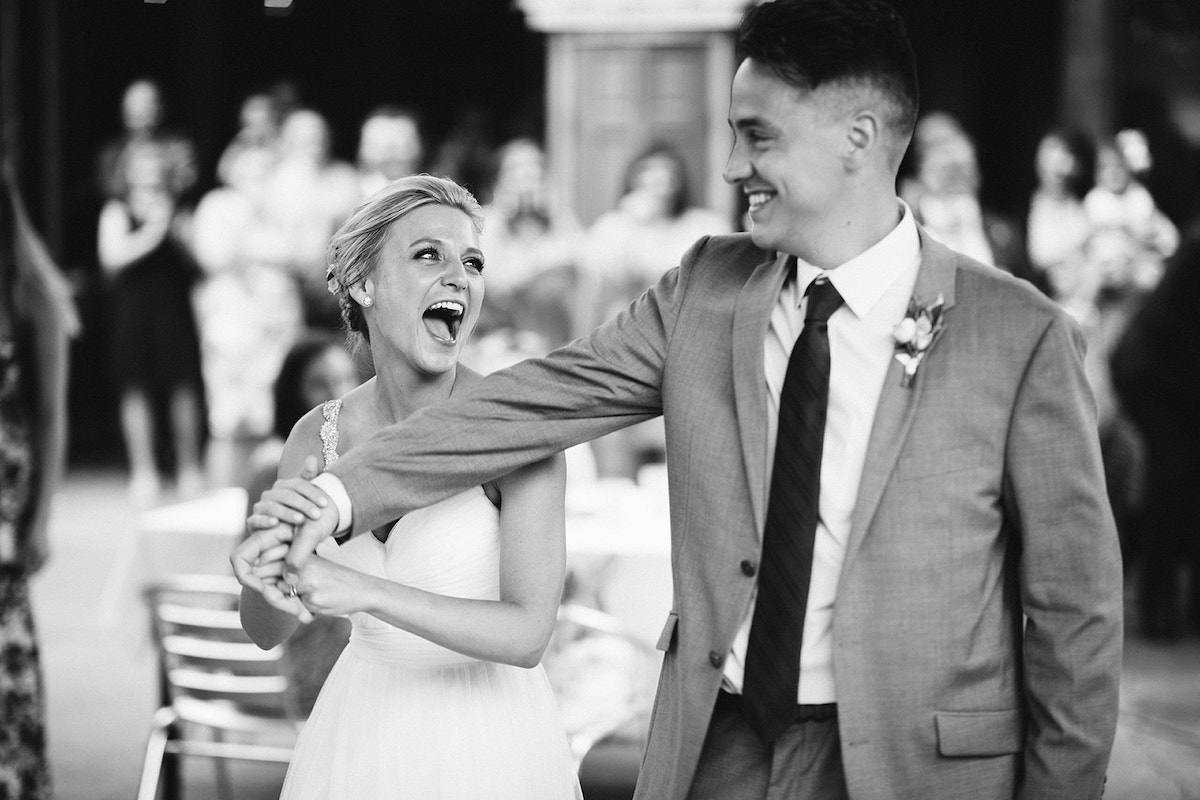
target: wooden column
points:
(10, 82)
(50, 68)
(621, 74)
(1089, 77)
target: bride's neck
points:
(397, 393)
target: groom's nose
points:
(737, 166)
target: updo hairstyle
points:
(354, 249)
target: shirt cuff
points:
(332, 486)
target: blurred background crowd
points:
(186, 162)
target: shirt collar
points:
(862, 280)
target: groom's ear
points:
(862, 138)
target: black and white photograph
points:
(600, 400)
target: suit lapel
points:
(898, 405)
(751, 316)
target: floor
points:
(100, 680)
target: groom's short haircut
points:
(813, 43)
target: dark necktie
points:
(773, 653)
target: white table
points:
(192, 536)
(618, 543)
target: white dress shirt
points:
(876, 286)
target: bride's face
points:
(426, 289)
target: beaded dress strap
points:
(329, 430)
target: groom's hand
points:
(322, 522)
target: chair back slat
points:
(206, 656)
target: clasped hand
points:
(319, 587)
(286, 524)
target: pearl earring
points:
(366, 301)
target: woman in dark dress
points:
(36, 317)
(155, 348)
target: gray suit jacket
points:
(977, 627)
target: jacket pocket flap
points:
(668, 632)
(943, 462)
(979, 733)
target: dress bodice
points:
(450, 548)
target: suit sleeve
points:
(1070, 572)
(608, 380)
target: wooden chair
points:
(222, 696)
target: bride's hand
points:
(256, 551)
(258, 565)
(329, 589)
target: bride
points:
(439, 693)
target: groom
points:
(895, 570)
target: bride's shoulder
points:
(305, 438)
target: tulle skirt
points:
(431, 730)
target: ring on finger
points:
(292, 590)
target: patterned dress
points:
(24, 773)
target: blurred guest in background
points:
(248, 310)
(389, 147)
(1058, 229)
(317, 368)
(309, 194)
(257, 135)
(36, 318)
(465, 152)
(934, 128)
(532, 240)
(630, 247)
(944, 196)
(1156, 373)
(155, 350)
(1130, 237)
(1128, 240)
(142, 115)
(627, 250)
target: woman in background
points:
(36, 319)
(1057, 228)
(248, 312)
(315, 370)
(308, 194)
(535, 240)
(627, 251)
(155, 348)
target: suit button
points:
(749, 568)
(715, 658)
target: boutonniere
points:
(916, 333)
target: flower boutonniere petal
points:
(915, 334)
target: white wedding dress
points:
(401, 717)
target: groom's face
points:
(786, 156)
